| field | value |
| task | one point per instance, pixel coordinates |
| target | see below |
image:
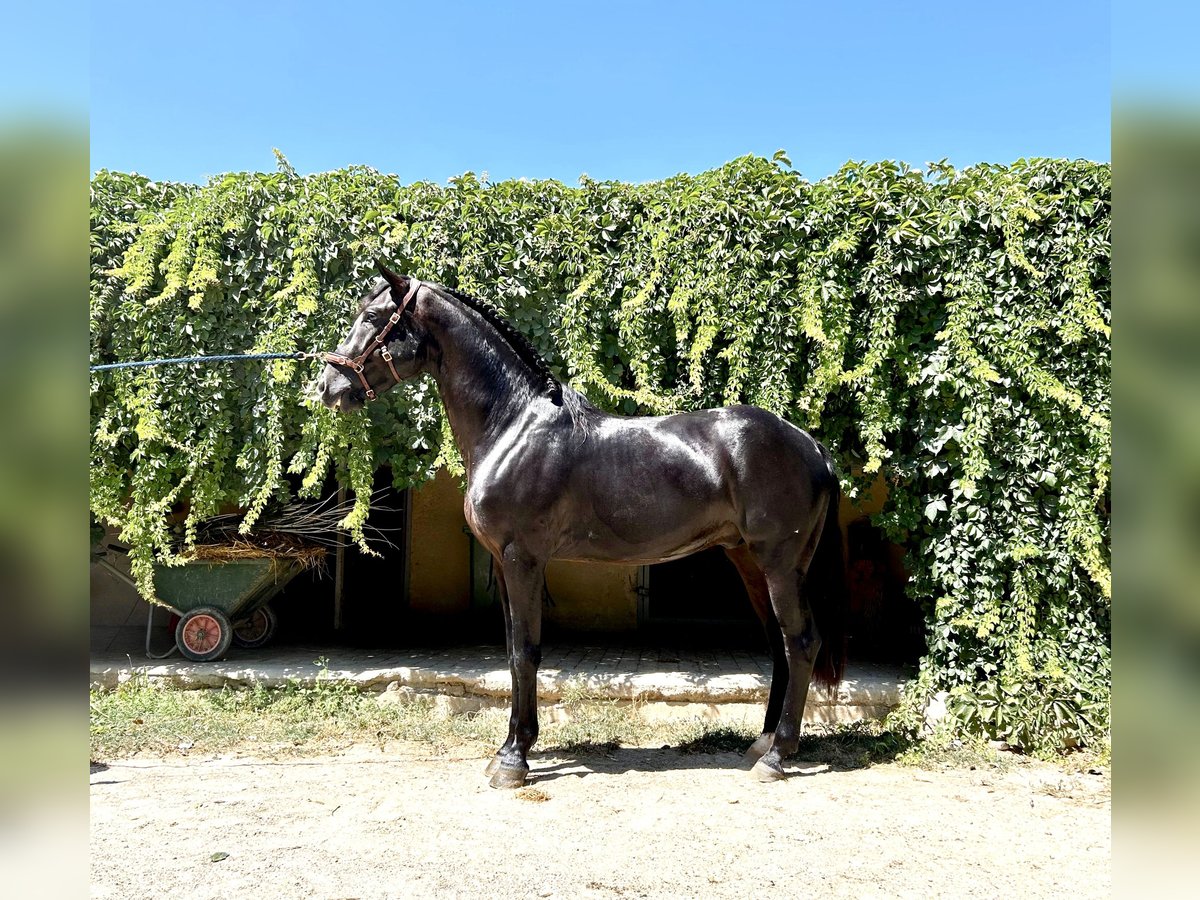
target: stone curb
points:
(871, 689)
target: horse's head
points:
(385, 346)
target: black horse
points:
(549, 476)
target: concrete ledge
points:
(705, 684)
(555, 711)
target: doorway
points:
(698, 599)
(370, 605)
(701, 600)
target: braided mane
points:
(550, 385)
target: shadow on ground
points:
(843, 750)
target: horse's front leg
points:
(524, 577)
(502, 590)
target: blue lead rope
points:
(200, 359)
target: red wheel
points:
(256, 629)
(204, 634)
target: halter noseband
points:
(359, 363)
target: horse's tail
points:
(827, 594)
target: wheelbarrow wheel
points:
(204, 634)
(256, 629)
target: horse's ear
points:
(398, 282)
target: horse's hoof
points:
(507, 779)
(764, 771)
(758, 748)
(492, 766)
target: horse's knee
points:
(801, 640)
(529, 654)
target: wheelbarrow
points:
(219, 602)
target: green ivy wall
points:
(948, 329)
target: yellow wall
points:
(592, 596)
(439, 553)
(867, 503)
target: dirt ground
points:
(399, 822)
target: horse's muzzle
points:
(336, 391)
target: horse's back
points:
(675, 484)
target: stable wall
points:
(592, 596)
(118, 613)
(869, 503)
(586, 596)
(439, 548)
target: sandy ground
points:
(631, 823)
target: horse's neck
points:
(484, 386)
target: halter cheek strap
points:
(359, 363)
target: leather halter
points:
(359, 363)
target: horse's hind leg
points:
(760, 599)
(784, 567)
(524, 578)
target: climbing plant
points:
(945, 330)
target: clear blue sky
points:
(629, 91)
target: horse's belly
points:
(598, 551)
(645, 533)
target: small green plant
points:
(1047, 716)
(593, 723)
(1039, 714)
(704, 737)
(948, 748)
